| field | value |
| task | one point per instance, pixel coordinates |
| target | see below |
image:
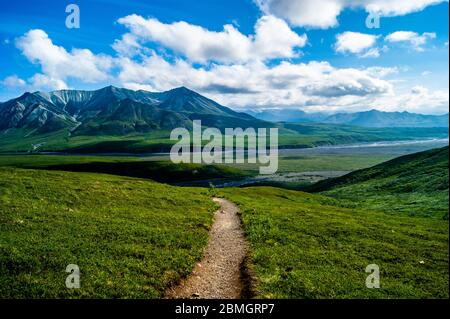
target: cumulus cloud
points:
(13, 81)
(312, 86)
(58, 64)
(45, 83)
(412, 38)
(249, 78)
(420, 99)
(324, 13)
(356, 43)
(391, 8)
(381, 72)
(38, 82)
(371, 53)
(364, 45)
(419, 90)
(284, 84)
(272, 39)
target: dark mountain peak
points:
(30, 96)
(182, 90)
(27, 95)
(110, 89)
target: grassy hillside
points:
(415, 184)
(131, 238)
(306, 246)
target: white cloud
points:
(58, 64)
(42, 82)
(412, 38)
(391, 8)
(37, 82)
(371, 53)
(239, 82)
(13, 81)
(312, 86)
(283, 84)
(357, 43)
(381, 72)
(420, 100)
(272, 39)
(324, 13)
(421, 90)
(306, 13)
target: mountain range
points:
(114, 119)
(372, 118)
(117, 111)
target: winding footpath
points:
(218, 275)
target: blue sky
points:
(316, 55)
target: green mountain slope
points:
(415, 184)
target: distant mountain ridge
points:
(287, 115)
(113, 110)
(372, 118)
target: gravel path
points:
(218, 275)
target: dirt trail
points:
(218, 275)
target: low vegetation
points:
(131, 238)
(307, 246)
